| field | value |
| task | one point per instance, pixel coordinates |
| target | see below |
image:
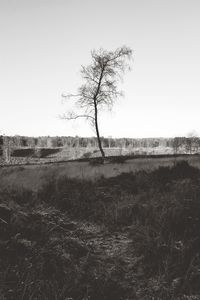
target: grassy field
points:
(33, 177)
(129, 237)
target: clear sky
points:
(43, 43)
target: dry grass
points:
(32, 177)
(133, 236)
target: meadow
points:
(80, 230)
(34, 176)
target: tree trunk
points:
(97, 132)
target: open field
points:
(129, 237)
(34, 176)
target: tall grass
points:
(44, 255)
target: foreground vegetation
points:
(135, 236)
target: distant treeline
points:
(190, 144)
(68, 141)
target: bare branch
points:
(68, 96)
(73, 116)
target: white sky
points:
(43, 43)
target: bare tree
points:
(177, 143)
(192, 142)
(8, 147)
(100, 86)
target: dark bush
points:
(23, 152)
(44, 152)
(87, 155)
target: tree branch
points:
(72, 116)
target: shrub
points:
(87, 155)
(26, 152)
